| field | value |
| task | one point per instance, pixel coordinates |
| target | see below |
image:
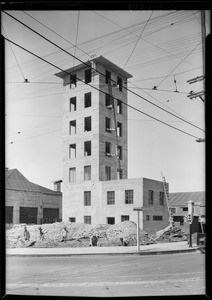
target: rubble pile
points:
(170, 234)
(78, 235)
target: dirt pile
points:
(79, 235)
(170, 234)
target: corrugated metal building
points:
(30, 203)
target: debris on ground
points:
(79, 235)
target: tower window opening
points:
(119, 129)
(119, 107)
(87, 173)
(87, 99)
(87, 75)
(73, 80)
(73, 104)
(72, 174)
(107, 124)
(108, 100)
(73, 127)
(161, 198)
(107, 148)
(72, 151)
(87, 124)
(119, 83)
(108, 76)
(120, 152)
(151, 196)
(87, 148)
(108, 172)
(87, 198)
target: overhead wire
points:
(99, 71)
(138, 40)
(136, 109)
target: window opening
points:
(119, 83)
(120, 174)
(87, 124)
(185, 208)
(111, 197)
(73, 104)
(120, 152)
(87, 173)
(72, 151)
(119, 107)
(151, 195)
(147, 217)
(108, 148)
(110, 220)
(108, 124)
(107, 76)
(87, 75)
(73, 80)
(72, 174)
(87, 219)
(73, 127)
(87, 198)
(87, 148)
(87, 99)
(125, 218)
(72, 219)
(157, 218)
(119, 129)
(108, 101)
(108, 172)
(129, 197)
(161, 198)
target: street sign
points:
(138, 208)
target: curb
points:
(120, 253)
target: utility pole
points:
(138, 209)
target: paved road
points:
(107, 275)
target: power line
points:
(104, 92)
(138, 40)
(97, 70)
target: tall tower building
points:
(96, 188)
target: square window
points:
(119, 83)
(119, 107)
(73, 80)
(73, 104)
(87, 124)
(72, 174)
(72, 127)
(119, 129)
(87, 219)
(72, 219)
(87, 148)
(108, 172)
(129, 197)
(110, 197)
(110, 220)
(125, 218)
(161, 198)
(87, 173)
(72, 151)
(185, 208)
(108, 76)
(151, 195)
(87, 75)
(87, 99)
(87, 198)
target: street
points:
(107, 275)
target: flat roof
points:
(101, 60)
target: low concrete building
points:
(30, 203)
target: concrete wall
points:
(156, 209)
(18, 199)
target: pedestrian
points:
(41, 233)
(93, 240)
(26, 234)
(64, 234)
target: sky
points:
(158, 48)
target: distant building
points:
(179, 206)
(30, 203)
(96, 188)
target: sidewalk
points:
(163, 248)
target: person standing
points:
(26, 234)
(64, 234)
(41, 233)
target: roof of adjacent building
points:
(181, 199)
(14, 180)
(100, 59)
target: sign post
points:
(138, 209)
(190, 220)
